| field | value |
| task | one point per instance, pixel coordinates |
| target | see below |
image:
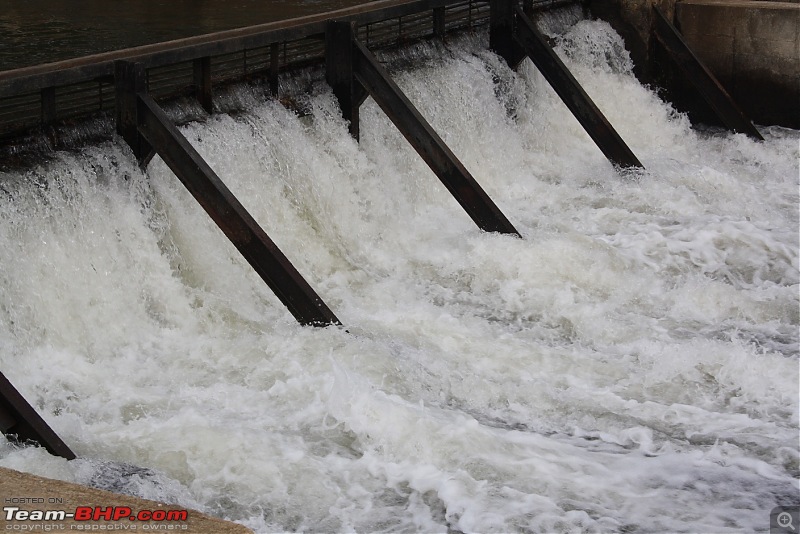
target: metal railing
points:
(34, 97)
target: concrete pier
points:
(753, 48)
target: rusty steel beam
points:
(21, 423)
(531, 40)
(696, 72)
(421, 135)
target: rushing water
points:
(630, 365)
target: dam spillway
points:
(630, 365)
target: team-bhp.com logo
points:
(96, 514)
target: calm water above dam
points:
(42, 31)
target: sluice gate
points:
(131, 82)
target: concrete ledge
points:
(753, 47)
(760, 4)
(29, 492)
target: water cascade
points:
(629, 365)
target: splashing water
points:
(631, 364)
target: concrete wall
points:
(753, 48)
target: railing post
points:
(339, 36)
(129, 80)
(274, 64)
(353, 73)
(202, 83)
(48, 99)
(142, 123)
(438, 22)
(501, 32)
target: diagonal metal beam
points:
(371, 75)
(713, 93)
(531, 40)
(147, 129)
(230, 216)
(18, 418)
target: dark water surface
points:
(42, 31)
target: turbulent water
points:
(629, 365)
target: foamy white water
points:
(630, 365)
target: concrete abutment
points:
(751, 47)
